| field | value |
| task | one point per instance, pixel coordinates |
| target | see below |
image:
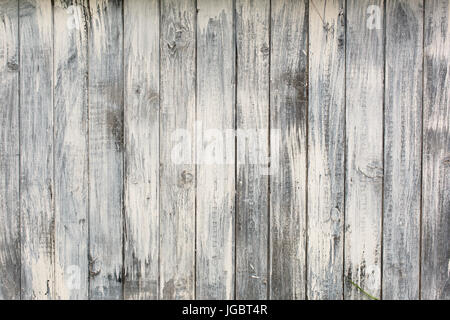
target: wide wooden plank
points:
(141, 122)
(326, 132)
(436, 153)
(105, 149)
(177, 175)
(252, 211)
(364, 141)
(288, 113)
(402, 151)
(71, 152)
(36, 149)
(216, 150)
(9, 152)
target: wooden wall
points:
(346, 102)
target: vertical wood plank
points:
(9, 152)
(215, 175)
(253, 57)
(326, 131)
(177, 176)
(436, 153)
(141, 37)
(403, 143)
(364, 140)
(288, 103)
(71, 152)
(36, 149)
(105, 148)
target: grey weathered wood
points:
(9, 152)
(70, 148)
(215, 168)
(252, 228)
(36, 150)
(403, 143)
(105, 149)
(288, 113)
(326, 131)
(436, 153)
(104, 196)
(177, 176)
(141, 38)
(364, 141)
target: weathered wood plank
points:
(71, 152)
(105, 148)
(326, 132)
(36, 149)
(364, 141)
(9, 152)
(288, 113)
(403, 143)
(177, 176)
(253, 54)
(436, 153)
(141, 37)
(216, 150)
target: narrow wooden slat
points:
(403, 143)
(36, 149)
(141, 37)
(253, 57)
(177, 176)
(105, 148)
(364, 140)
(326, 131)
(9, 152)
(71, 167)
(288, 113)
(436, 153)
(216, 152)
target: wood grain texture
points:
(288, 113)
(177, 175)
(216, 150)
(122, 175)
(436, 153)
(141, 36)
(71, 150)
(36, 150)
(403, 144)
(9, 152)
(364, 152)
(326, 132)
(105, 149)
(252, 227)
